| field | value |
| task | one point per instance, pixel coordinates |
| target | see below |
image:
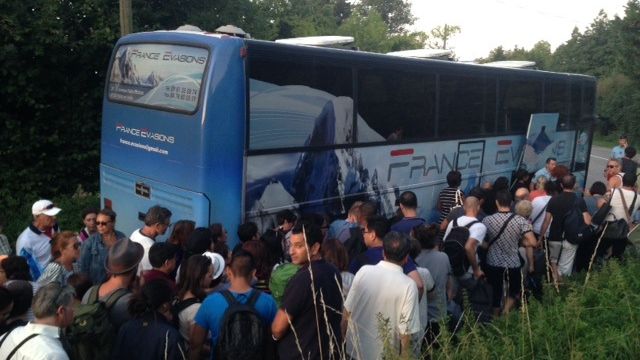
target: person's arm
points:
(545, 224)
(450, 288)
(196, 341)
(280, 324)
(530, 240)
(530, 259)
(444, 224)
(405, 346)
(471, 247)
(416, 277)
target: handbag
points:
(619, 229)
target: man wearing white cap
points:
(33, 243)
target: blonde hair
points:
(524, 208)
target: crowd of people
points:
(352, 288)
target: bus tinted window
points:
(158, 75)
(396, 105)
(556, 101)
(576, 104)
(294, 104)
(517, 100)
(588, 101)
(467, 106)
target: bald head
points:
(521, 194)
(471, 206)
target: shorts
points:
(553, 249)
(497, 276)
(567, 257)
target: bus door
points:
(469, 162)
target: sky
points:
(487, 24)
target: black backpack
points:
(574, 230)
(454, 247)
(243, 334)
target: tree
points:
(395, 13)
(441, 34)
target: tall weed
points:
(598, 321)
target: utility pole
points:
(126, 18)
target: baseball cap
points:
(45, 207)
(217, 261)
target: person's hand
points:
(532, 269)
(478, 274)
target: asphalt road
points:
(597, 163)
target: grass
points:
(598, 321)
(610, 140)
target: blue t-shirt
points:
(212, 310)
(617, 152)
(405, 225)
(373, 256)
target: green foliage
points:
(598, 321)
(68, 219)
(395, 13)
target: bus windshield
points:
(167, 77)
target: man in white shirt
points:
(40, 339)
(156, 222)
(477, 232)
(382, 296)
(34, 242)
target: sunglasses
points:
(611, 166)
(103, 223)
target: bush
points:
(596, 321)
(69, 218)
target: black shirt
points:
(298, 302)
(629, 166)
(559, 206)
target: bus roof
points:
(445, 54)
(512, 64)
(318, 40)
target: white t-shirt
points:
(477, 231)
(186, 320)
(146, 243)
(538, 204)
(382, 288)
(617, 207)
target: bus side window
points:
(291, 101)
(518, 99)
(399, 106)
(556, 101)
(467, 106)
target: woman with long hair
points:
(149, 335)
(182, 229)
(191, 292)
(65, 250)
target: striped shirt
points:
(449, 197)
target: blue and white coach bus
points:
(225, 129)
